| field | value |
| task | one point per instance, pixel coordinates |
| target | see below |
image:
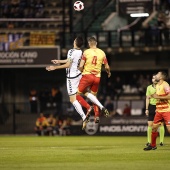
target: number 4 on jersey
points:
(94, 60)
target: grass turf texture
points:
(81, 153)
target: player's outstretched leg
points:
(89, 111)
(105, 112)
(96, 101)
(97, 120)
(85, 121)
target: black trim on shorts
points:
(152, 112)
(72, 94)
(73, 77)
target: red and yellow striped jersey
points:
(94, 58)
(162, 105)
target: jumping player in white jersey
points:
(73, 76)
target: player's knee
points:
(155, 128)
(86, 94)
(72, 99)
(94, 93)
(150, 124)
(79, 92)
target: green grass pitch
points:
(81, 153)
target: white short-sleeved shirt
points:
(73, 74)
(74, 56)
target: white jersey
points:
(74, 56)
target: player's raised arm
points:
(66, 65)
(167, 91)
(107, 67)
(81, 66)
(155, 96)
(59, 61)
(161, 97)
(82, 62)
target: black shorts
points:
(152, 112)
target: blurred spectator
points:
(28, 13)
(109, 90)
(51, 129)
(156, 5)
(5, 9)
(65, 127)
(43, 98)
(15, 3)
(22, 8)
(162, 25)
(101, 99)
(161, 21)
(118, 87)
(41, 125)
(56, 99)
(109, 105)
(155, 28)
(134, 81)
(127, 110)
(33, 98)
(39, 4)
(10, 25)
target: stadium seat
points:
(136, 112)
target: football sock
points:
(154, 136)
(79, 109)
(82, 102)
(94, 100)
(161, 133)
(96, 110)
(149, 131)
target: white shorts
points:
(72, 85)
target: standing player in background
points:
(150, 112)
(91, 65)
(73, 77)
(162, 107)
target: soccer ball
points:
(78, 6)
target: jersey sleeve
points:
(147, 91)
(84, 56)
(105, 60)
(167, 88)
(70, 55)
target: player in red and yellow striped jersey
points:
(150, 112)
(93, 59)
(91, 65)
(162, 107)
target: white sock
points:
(79, 109)
(94, 100)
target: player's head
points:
(78, 42)
(92, 41)
(161, 75)
(154, 79)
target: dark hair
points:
(79, 41)
(164, 75)
(154, 74)
(92, 39)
